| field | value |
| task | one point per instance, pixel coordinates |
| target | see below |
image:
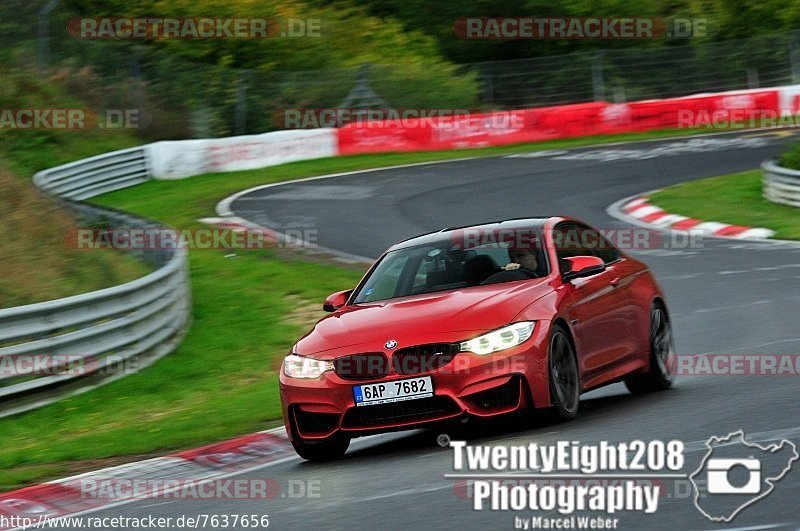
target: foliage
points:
(791, 157)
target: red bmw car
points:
(476, 321)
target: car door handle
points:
(614, 281)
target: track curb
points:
(164, 477)
(639, 211)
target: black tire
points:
(564, 379)
(327, 450)
(660, 375)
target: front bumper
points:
(470, 385)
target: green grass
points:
(60, 270)
(791, 157)
(734, 199)
(222, 380)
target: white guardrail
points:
(781, 185)
(53, 349)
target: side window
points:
(607, 251)
(574, 239)
(567, 239)
(594, 241)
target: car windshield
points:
(459, 262)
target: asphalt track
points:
(724, 296)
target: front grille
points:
(424, 358)
(500, 397)
(362, 366)
(315, 423)
(400, 412)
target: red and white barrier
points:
(565, 121)
(185, 158)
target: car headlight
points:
(295, 366)
(500, 339)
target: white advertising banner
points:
(789, 99)
(184, 158)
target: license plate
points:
(396, 391)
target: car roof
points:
(445, 234)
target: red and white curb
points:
(642, 212)
(70, 496)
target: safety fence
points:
(222, 100)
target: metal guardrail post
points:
(240, 111)
(43, 38)
(794, 56)
(781, 185)
(598, 83)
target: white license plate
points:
(396, 391)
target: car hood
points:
(444, 316)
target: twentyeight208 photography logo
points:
(735, 474)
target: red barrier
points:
(733, 107)
(550, 123)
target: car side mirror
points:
(583, 266)
(336, 300)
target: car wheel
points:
(661, 372)
(564, 383)
(326, 450)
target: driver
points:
(522, 259)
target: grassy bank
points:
(37, 264)
(791, 157)
(734, 199)
(26, 151)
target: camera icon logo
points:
(736, 473)
(720, 471)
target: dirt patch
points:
(300, 255)
(38, 262)
(304, 313)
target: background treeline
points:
(220, 87)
